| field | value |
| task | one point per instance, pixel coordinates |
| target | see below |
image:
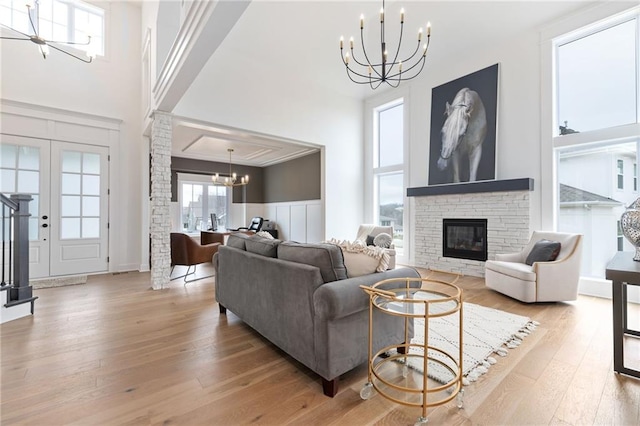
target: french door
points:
(68, 229)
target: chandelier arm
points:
(398, 77)
(398, 49)
(70, 54)
(350, 70)
(19, 32)
(15, 38)
(362, 64)
(72, 42)
(421, 61)
(413, 54)
(364, 51)
(32, 24)
(369, 79)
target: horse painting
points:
(463, 133)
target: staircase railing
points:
(15, 249)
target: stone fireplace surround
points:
(504, 203)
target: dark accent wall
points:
(252, 193)
(294, 180)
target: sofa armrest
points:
(510, 257)
(341, 298)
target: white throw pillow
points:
(382, 240)
(359, 264)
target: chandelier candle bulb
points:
(419, 35)
(361, 21)
(341, 41)
(382, 15)
(402, 16)
(428, 29)
(351, 43)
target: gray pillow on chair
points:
(543, 251)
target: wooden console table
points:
(623, 271)
(208, 237)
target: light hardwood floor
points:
(114, 352)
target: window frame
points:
(371, 185)
(205, 180)
(578, 26)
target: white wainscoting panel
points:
(283, 221)
(298, 218)
(301, 221)
(315, 231)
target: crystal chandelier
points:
(387, 71)
(43, 44)
(231, 180)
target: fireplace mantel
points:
(522, 184)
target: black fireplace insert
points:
(464, 238)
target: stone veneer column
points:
(160, 222)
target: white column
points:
(160, 222)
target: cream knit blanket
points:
(358, 246)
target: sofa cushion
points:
(237, 240)
(520, 271)
(370, 239)
(262, 246)
(326, 257)
(543, 251)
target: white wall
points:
(518, 135)
(270, 106)
(108, 87)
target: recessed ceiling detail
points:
(210, 142)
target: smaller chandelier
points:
(43, 44)
(386, 70)
(230, 180)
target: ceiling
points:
(205, 141)
(296, 44)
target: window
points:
(58, 20)
(620, 174)
(596, 103)
(198, 199)
(80, 189)
(388, 170)
(620, 237)
(596, 75)
(20, 173)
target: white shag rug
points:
(486, 332)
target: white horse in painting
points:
(463, 132)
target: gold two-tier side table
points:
(390, 372)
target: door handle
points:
(44, 225)
(45, 217)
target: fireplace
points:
(464, 238)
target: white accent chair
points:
(367, 229)
(554, 281)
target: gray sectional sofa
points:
(298, 296)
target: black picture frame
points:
(485, 83)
